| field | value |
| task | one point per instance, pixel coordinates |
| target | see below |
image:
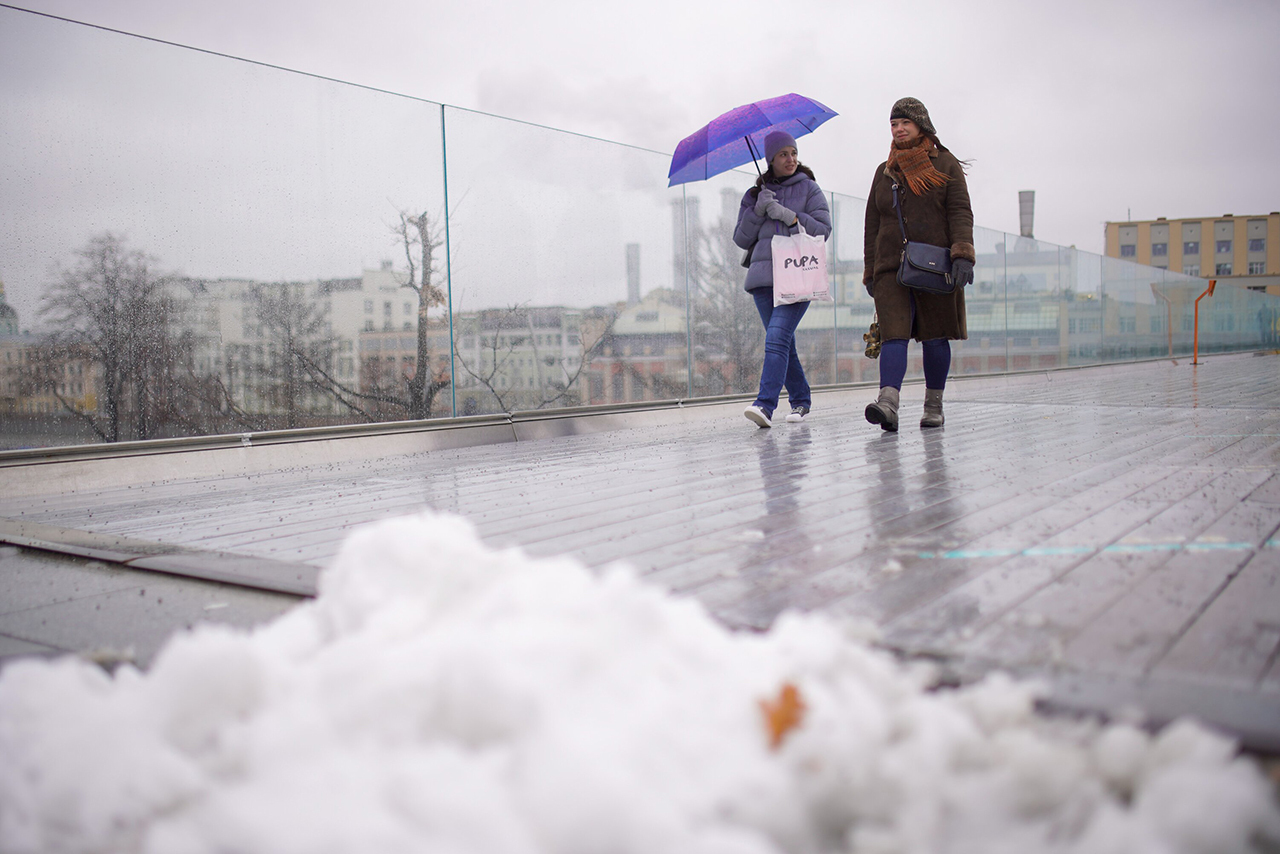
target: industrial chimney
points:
(633, 273)
(1026, 211)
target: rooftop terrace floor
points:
(1112, 530)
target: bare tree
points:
(510, 335)
(111, 308)
(381, 395)
(420, 239)
(726, 324)
(294, 361)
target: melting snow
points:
(441, 696)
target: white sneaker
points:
(757, 416)
(798, 413)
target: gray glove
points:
(962, 272)
(782, 214)
(763, 199)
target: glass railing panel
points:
(726, 333)
(253, 211)
(1038, 277)
(1122, 294)
(568, 274)
(853, 309)
(986, 306)
(1079, 304)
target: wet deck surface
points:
(1111, 529)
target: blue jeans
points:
(781, 361)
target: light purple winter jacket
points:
(801, 194)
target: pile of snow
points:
(440, 696)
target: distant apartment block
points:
(1236, 250)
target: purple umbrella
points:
(738, 136)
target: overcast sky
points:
(1108, 110)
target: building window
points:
(1190, 269)
(1257, 244)
(1223, 247)
(1191, 247)
(1257, 268)
(1159, 249)
(368, 306)
(1222, 269)
(1128, 250)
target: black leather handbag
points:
(924, 266)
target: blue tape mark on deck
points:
(1117, 548)
(1050, 551)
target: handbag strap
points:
(902, 226)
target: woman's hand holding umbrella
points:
(763, 199)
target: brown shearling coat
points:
(942, 217)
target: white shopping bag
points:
(799, 268)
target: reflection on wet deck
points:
(1113, 529)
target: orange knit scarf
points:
(916, 164)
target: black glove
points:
(871, 291)
(962, 272)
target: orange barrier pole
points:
(1195, 353)
(1169, 311)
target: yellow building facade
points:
(1236, 250)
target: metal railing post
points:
(1195, 351)
(1169, 320)
(688, 297)
(448, 268)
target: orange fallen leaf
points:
(783, 714)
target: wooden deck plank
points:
(1138, 628)
(1237, 636)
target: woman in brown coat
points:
(935, 207)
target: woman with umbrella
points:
(784, 198)
(931, 193)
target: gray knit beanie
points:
(775, 142)
(911, 108)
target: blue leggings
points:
(893, 362)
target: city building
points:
(1236, 250)
(518, 358)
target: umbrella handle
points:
(751, 148)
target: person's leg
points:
(893, 367)
(796, 383)
(780, 324)
(893, 362)
(937, 364)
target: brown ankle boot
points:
(885, 410)
(932, 408)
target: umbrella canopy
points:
(737, 137)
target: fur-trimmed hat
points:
(775, 142)
(911, 108)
